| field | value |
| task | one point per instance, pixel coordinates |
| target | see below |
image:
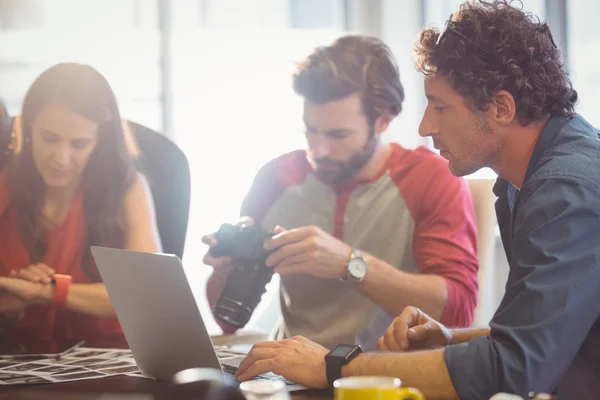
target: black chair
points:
(167, 170)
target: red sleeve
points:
(269, 184)
(445, 238)
(271, 181)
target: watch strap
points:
(333, 369)
(334, 364)
(61, 283)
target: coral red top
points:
(43, 327)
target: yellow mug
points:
(373, 388)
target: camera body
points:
(248, 279)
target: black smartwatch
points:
(339, 356)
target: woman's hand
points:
(26, 291)
(24, 287)
(35, 273)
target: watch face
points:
(357, 268)
(341, 350)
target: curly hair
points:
(352, 64)
(490, 46)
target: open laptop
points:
(159, 315)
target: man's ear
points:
(382, 122)
(503, 108)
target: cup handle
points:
(410, 394)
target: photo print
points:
(78, 375)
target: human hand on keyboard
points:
(297, 359)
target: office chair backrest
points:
(167, 170)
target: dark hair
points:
(352, 64)
(491, 46)
(5, 121)
(107, 176)
(5, 135)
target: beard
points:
(478, 152)
(335, 172)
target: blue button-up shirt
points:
(545, 335)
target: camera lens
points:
(247, 281)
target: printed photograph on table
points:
(56, 369)
(122, 370)
(104, 366)
(21, 358)
(81, 363)
(61, 361)
(83, 354)
(69, 371)
(5, 365)
(24, 367)
(138, 375)
(87, 361)
(9, 377)
(27, 379)
(122, 352)
(78, 375)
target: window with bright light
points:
(234, 110)
(583, 44)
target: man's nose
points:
(319, 147)
(427, 127)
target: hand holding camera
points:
(238, 251)
(222, 265)
(247, 256)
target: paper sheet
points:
(81, 363)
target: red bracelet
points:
(61, 289)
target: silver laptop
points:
(159, 315)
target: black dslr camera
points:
(246, 283)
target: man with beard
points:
(363, 228)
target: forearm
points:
(425, 371)
(85, 298)
(465, 335)
(394, 290)
(90, 299)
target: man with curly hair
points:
(498, 97)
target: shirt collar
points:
(544, 142)
(551, 129)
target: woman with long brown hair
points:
(70, 184)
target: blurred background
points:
(214, 77)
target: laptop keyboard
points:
(230, 370)
(225, 353)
